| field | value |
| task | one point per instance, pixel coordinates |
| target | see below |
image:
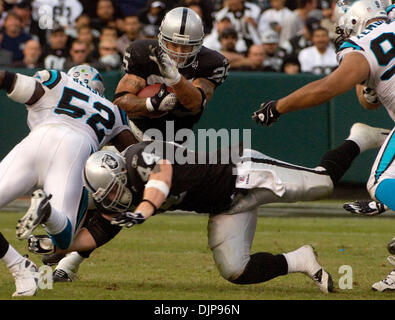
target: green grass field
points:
(167, 258)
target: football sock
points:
(59, 228)
(296, 261)
(8, 254)
(70, 262)
(337, 161)
(262, 267)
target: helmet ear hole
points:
(354, 22)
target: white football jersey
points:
(73, 104)
(377, 44)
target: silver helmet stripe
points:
(183, 20)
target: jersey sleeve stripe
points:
(350, 44)
(123, 116)
(53, 80)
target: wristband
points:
(159, 185)
(148, 105)
(152, 204)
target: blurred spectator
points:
(274, 17)
(82, 21)
(244, 16)
(55, 54)
(207, 11)
(228, 40)
(31, 55)
(256, 60)
(291, 65)
(5, 55)
(151, 17)
(319, 59)
(109, 57)
(274, 55)
(212, 40)
(328, 19)
(131, 7)
(13, 36)
(57, 12)
(105, 15)
(294, 25)
(132, 28)
(109, 32)
(304, 40)
(78, 54)
(85, 34)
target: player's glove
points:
(267, 114)
(162, 101)
(370, 95)
(128, 219)
(40, 244)
(365, 207)
(167, 66)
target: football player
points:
(149, 178)
(69, 119)
(177, 59)
(366, 55)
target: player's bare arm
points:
(353, 70)
(156, 189)
(126, 95)
(123, 140)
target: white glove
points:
(167, 66)
(370, 95)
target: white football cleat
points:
(314, 270)
(367, 137)
(388, 284)
(26, 278)
(38, 212)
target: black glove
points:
(267, 114)
(162, 101)
(40, 244)
(365, 207)
(128, 219)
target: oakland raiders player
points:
(156, 176)
(177, 59)
(366, 57)
(69, 119)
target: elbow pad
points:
(24, 89)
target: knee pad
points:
(229, 267)
(101, 229)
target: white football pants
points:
(230, 234)
(51, 157)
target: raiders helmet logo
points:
(109, 161)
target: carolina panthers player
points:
(177, 59)
(148, 178)
(69, 119)
(366, 57)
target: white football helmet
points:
(353, 16)
(181, 26)
(89, 76)
(105, 175)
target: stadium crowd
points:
(255, 35)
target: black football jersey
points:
(203, 188)
(209, 64)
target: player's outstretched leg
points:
(38, 213)
(24, 271)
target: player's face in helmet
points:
(181, 35)
(105, 175)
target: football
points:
(151, 90)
